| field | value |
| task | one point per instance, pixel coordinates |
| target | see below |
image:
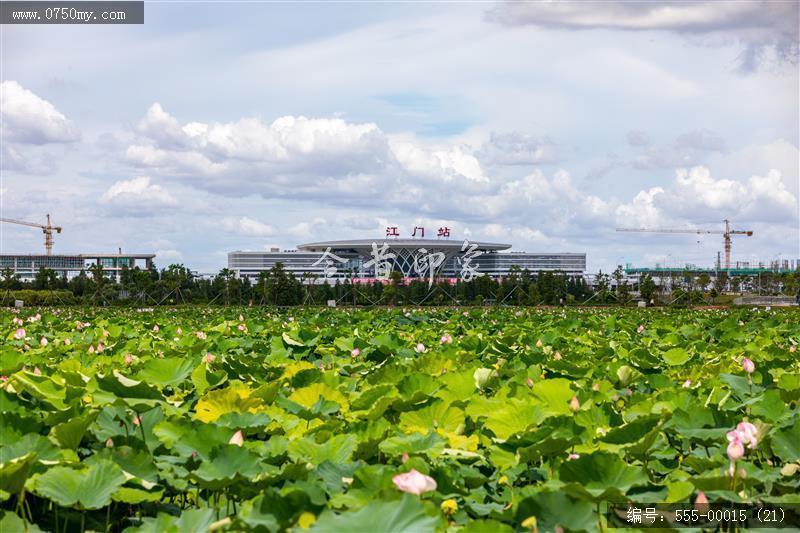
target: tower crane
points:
(47, 229)
(727, 233)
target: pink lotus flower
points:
(640, 328)
(414, 482)
(237, 439)
(208, 358)
(19, 334)
(446, 339)
(241, 327)
(355, 353)
(748, 366)
(200, 335)
(573, 456)
(4, 379)
(746, 433)
(43, 342)
(574, 404)
(735, 450)
(419, 348)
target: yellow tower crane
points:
(47, 229)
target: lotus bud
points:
(735, 450)
(109, 443)
(355, 353)
(237, 439)
(557, 356)
(640, 328)
(37, 372)
(574, 404)
(529, 382)
(43, 342)
(539, 343)
(241, 318)
(793, 348)
(446, 339)
(687, 384)
(200, 335)
(701, 499)
(137, 420)
(573, 456)
(748, 365)
(179, 331)
(155, 328)
(414, 482)
(67, 342)
(128, 359)
(596, 387)
(99, 347)
(208, 358)
(404, 458)
(91, 349)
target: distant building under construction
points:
(25, 266)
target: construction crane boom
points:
(727, 233)
(47, 229)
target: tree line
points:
(176, 285)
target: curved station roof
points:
(364, 246)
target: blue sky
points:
(215, 127)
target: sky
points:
(546, 125)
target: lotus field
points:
(484, 419)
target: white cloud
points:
(766, 29)
(248, 226)
(516, 148)
(29, 119)
(696, 194)
(138, 193)
(168, 257)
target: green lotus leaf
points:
(436, 417)
(786, 443)
(204, 379)
(599, 472)
(676, 356)
(338, 449)
(226, 462)
(69, 434)
(194, 520)
(431, 444)
(403, 515)
(548, 508)
(237, 398)
(14, 472)
(167, 371)
(88, 488)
